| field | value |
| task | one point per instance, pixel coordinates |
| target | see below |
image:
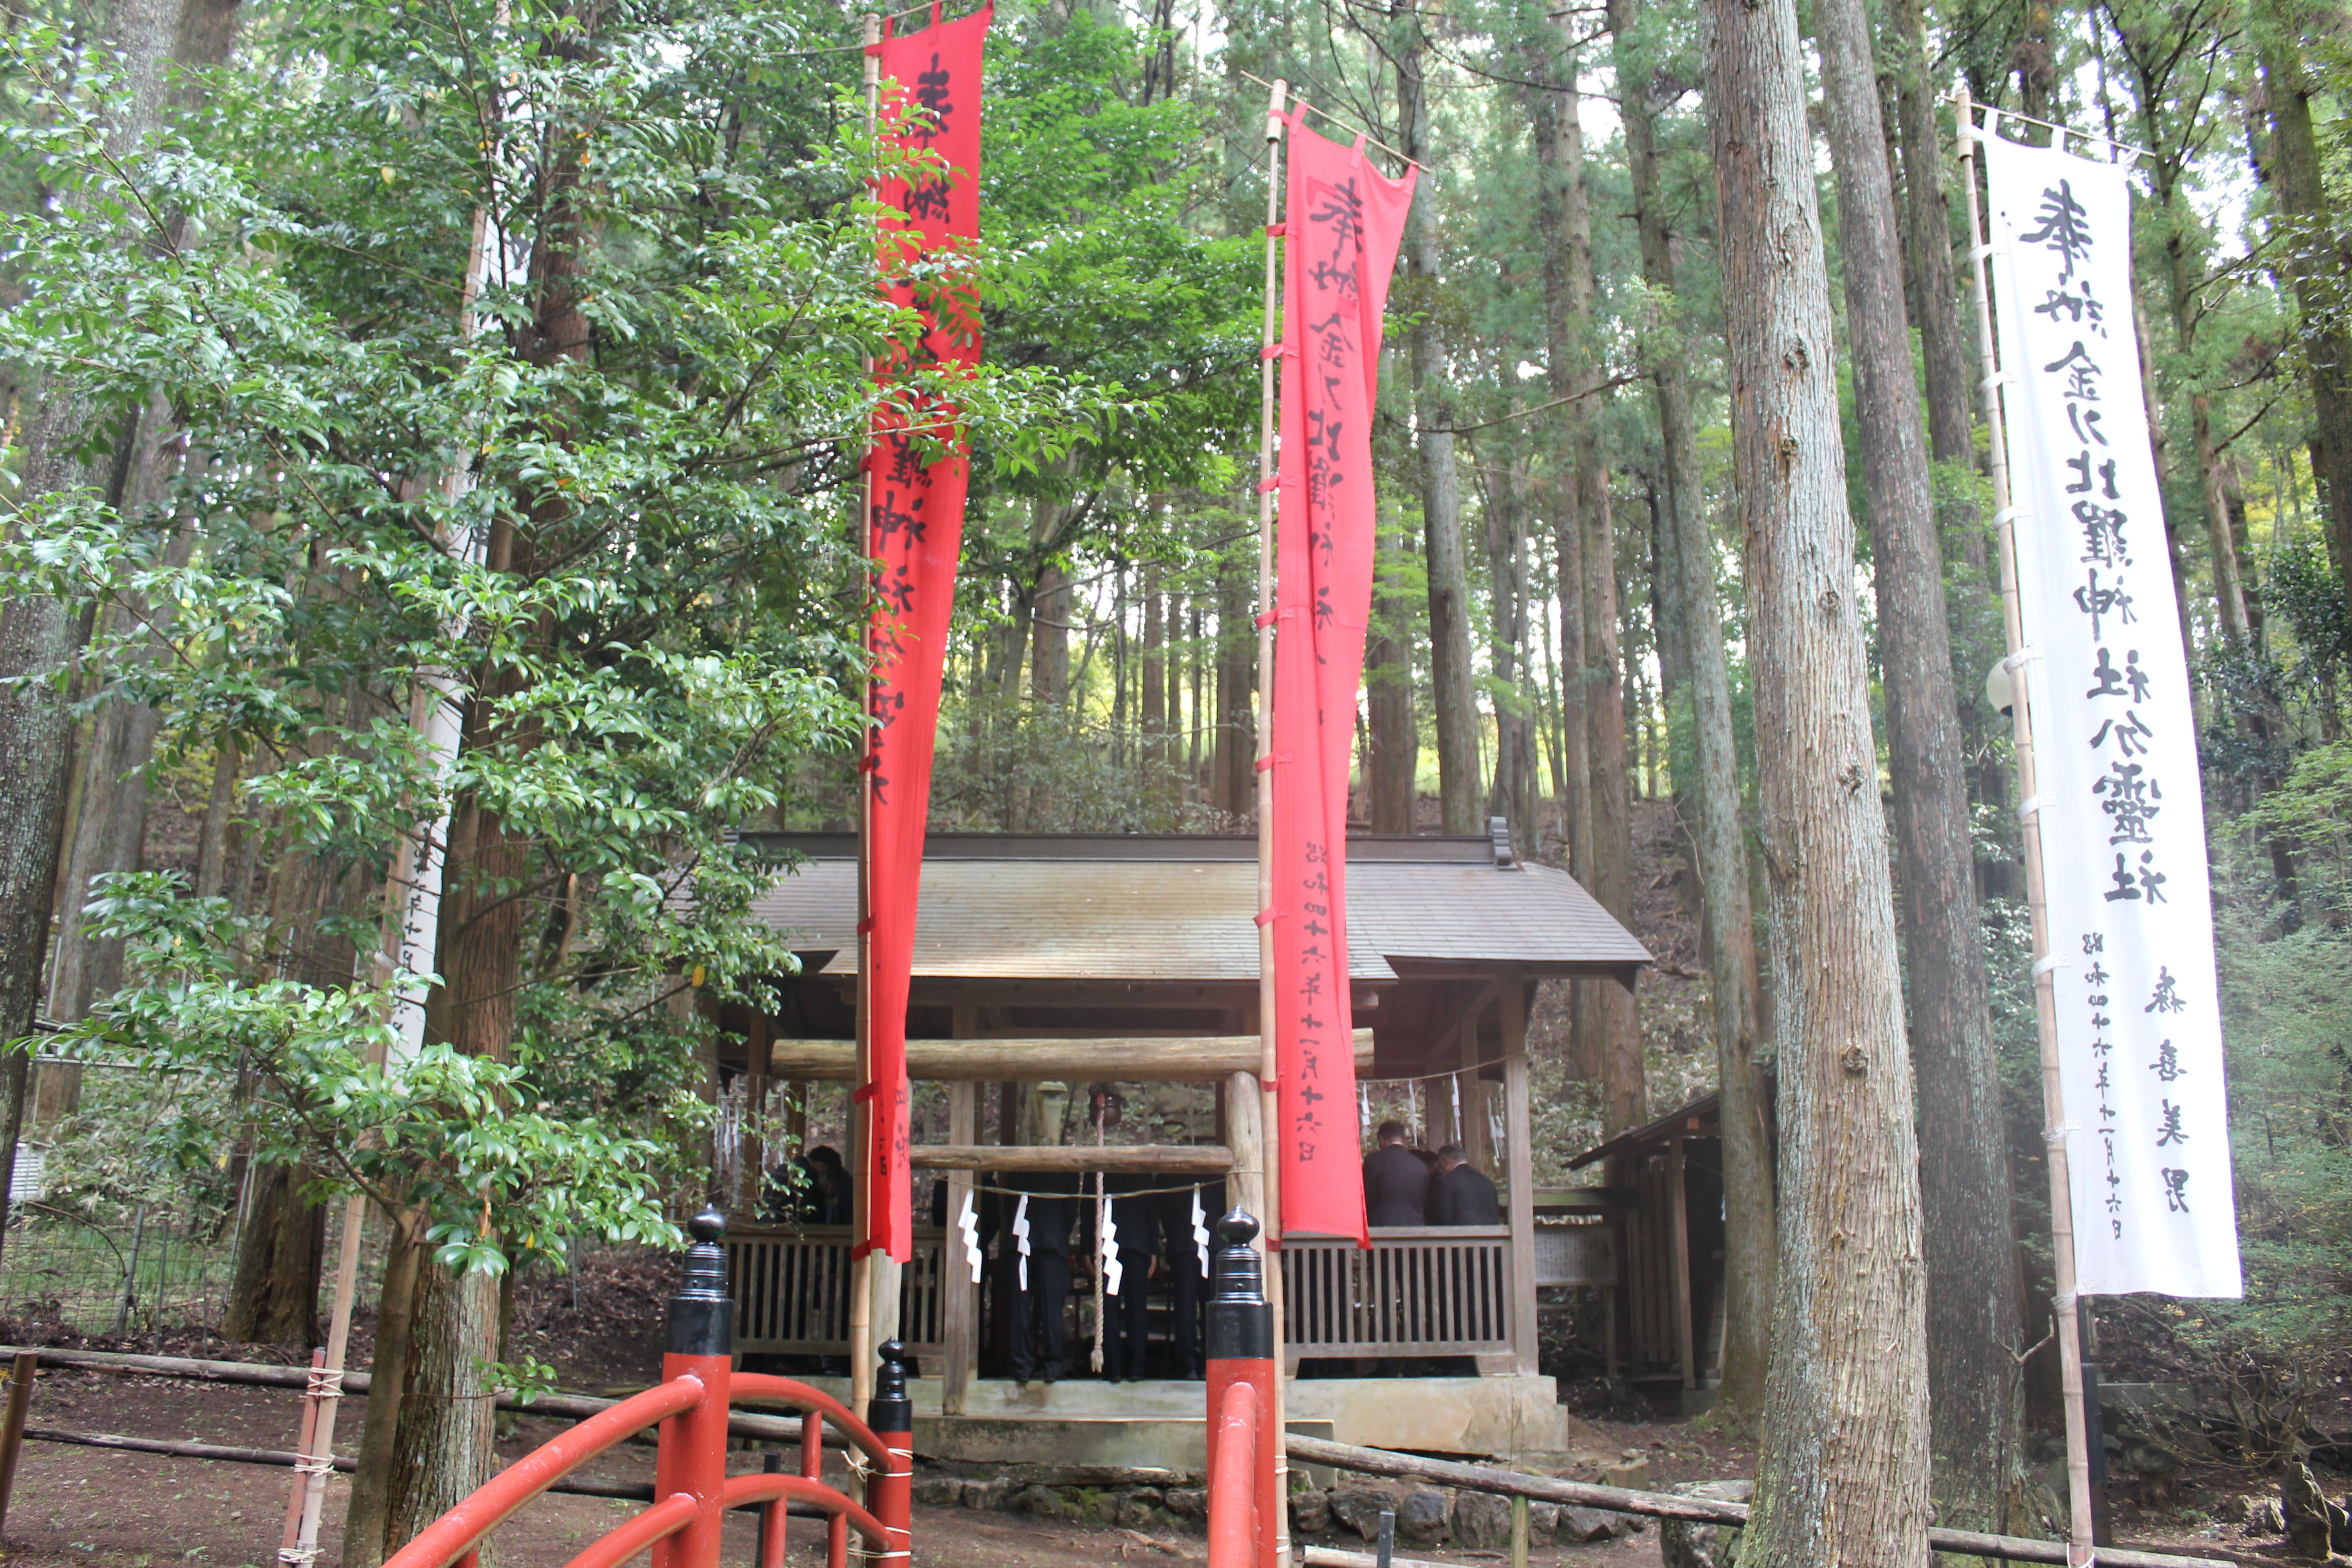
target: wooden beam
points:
(1678, 1260)
(1244, 1125)
(1146, 1159)
(1187, 1059)
(958, 1298)
(1518, 1153)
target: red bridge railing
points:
(692, 1491)
(1246, 1498)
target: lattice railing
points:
(792, 1290)
(1420, 1291)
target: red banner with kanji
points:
(1343, 220)
(930, 106)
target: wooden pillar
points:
(1678, 1259)
(958, 1298)
(1520, 1173)
(1245, 1134)
(752, 1149)
(1477, 1148)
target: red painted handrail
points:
(456, 1532)
(765, 1487)
(1233, 1523)
(660, 1522)
(686, 1527)
(765, 1388)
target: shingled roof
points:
(1152, 907)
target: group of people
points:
(1151, 1237)
(1151, 1234)
(1404, 1185)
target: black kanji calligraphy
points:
(2100, 602)
(2132, 802)
(2064, 229)
(2131, 736)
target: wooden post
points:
(292, 1534)
(861, 1341)
(751, 1148)
(1477, 1148)
(12, 1425)
(959, 1299)
(2081, 1528)
(1518, 1153)
(1269, 1065)
(1678, 1259)
(1244, 1134)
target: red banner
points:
(914, 532)
(1344, 218)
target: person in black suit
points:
(1041, 1305)
(1134, 1214)
(1396, 1184)
(1460, 1194)
(1187, 1283)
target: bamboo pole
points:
(862, 1281)
(1269, 1070)
(2082, 1544)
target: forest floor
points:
(98, 1508)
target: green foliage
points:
(624, 561)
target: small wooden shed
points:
(1664, 1200)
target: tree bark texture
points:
(1234, 789)
(1454, 692)
(38, 636)
(1049, 653)
(280, 1249)
(1975, 1296)
(1841, 1474)
(1609, 1010)
(2324, 248)
(447, 1411)
(1393, 758)
(1564, 214)
(1718, 839)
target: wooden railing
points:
(792, 1290)
(1421, 1290)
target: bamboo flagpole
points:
(1269, 1065)
(2082, 1542)
(862, 1273)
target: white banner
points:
(2114, 742)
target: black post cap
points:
(702, 1315)
(1241, 1321)
(891, 1409)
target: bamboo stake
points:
(862, 1281)
(2083, 1543)
(1269, 1115)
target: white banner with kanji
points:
(2114, 741)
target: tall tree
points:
(2319, 258)
(1395, 753)
(1975, 1295)
(1453, 685)
(1841, 1474)
(1718, 840)
(1564, 219)
(39, 634)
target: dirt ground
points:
(109, 1508)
